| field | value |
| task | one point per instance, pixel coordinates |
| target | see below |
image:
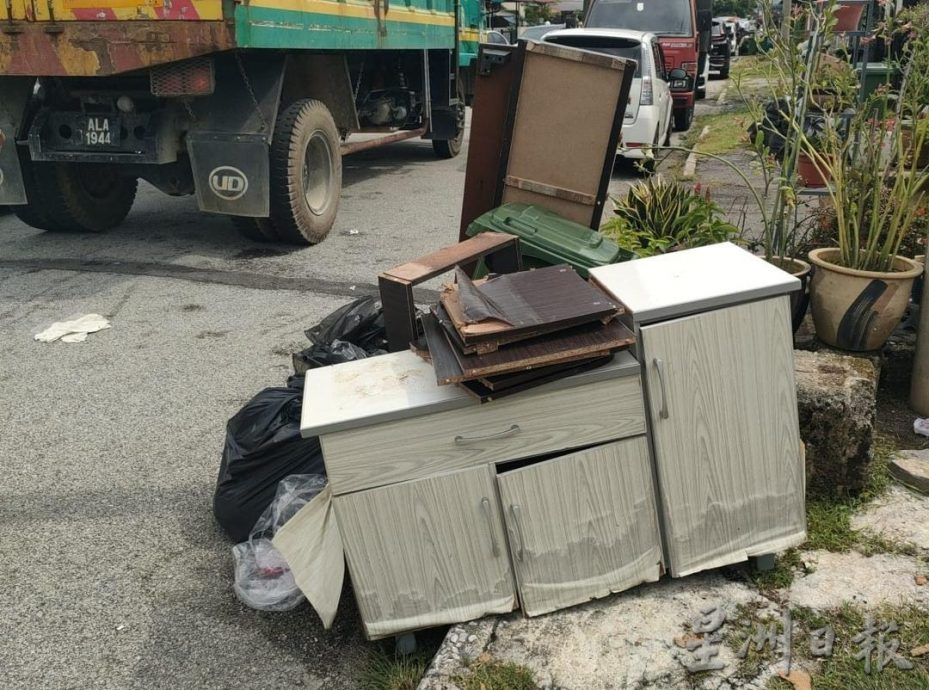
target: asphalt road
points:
(113, 573)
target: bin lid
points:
(547, 236)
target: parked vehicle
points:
(683, 30)
(224, 100)
(647, 120)
(732, 33)
(494, 38)
(536, 33)
(720, 59)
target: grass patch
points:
(486, 674)
(728, 132)
(750, 67)
(782, 575)
(842, 671)
(394, 672)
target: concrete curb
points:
(463, 643)
(690, 165)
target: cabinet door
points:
(426, 552)
(582, 525)
(723, 412)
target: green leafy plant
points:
(658, 216)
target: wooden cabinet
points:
(716, 349)
(723, 413)
(427, 552)
(582, 525)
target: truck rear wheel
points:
(256, 229)
(306, 173)
(84, 198)
(36, 213)
(449, 148)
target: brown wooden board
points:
(478, 389)
(504, 382)
(529, 303)
(582, 342)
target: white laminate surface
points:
(400, 385)
(685, 282)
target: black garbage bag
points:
(263, 445)
(353, 331)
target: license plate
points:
(101, 131)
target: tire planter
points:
(799, 300)
(858, 310)
(808, 173)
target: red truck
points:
(683, 30)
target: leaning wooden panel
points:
(426, 553)
(518, 427)
(727, 445)
(582, 526)
(581, 96)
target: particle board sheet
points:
(580, 96)
(531, 302)
(479, 388)
(729, 468)
(581, 342)
(583, 525)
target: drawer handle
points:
(461, 440)
(514, 511)
(659, 369)
(488, 513)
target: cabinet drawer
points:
(428, 552)
(582, 526)
(517, 427)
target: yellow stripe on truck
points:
(362, 11)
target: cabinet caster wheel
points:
(763, 564)
(405, 644)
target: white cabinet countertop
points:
(679, 283)
(400, 385)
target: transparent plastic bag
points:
(263, 580)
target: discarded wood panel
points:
(538, 301)
(524, 381)
(501, 253)
(582, 342)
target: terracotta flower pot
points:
(847, 17)
(800, 299)
(808, 173)
(858, 310)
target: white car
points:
(647, 121)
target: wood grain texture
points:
(421, 553)
(728, 456)
(582, 526)
(548, 421)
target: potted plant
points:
(658, 216)
(861, 287)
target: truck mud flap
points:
(231, 173)
(14, 96)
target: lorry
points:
(247, 104)
(683, 31)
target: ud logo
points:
(228, 183)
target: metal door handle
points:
(488, 513)
(663, 412)
(460, 440)
(514, 511)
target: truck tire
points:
(683, 117)
(449, 148)
(85, 198)
(256, 229)
(306, 173)
(36, 213)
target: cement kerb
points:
(690, 165)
